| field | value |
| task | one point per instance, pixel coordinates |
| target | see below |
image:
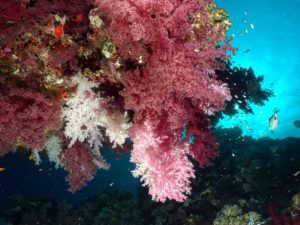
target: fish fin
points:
(270, 130)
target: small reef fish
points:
(246, 51)
(297, 123)
(297, 173)
(274, 121)
(2, 169)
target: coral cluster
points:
(99, 72)
(234, 215)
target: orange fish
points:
(59, 30)
(2, 169)
(30, 157)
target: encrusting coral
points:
(234, 215)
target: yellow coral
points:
(234, 215)
(218, 18)
(296, 201)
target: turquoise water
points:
(270, 31)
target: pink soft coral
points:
(168, 173)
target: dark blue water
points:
(23, 177)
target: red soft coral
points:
(174, 85)
(25, 117)
(18, 16)
(285, 218)
(6, 15)
(81, 165)
(174, 71)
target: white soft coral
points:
(83, 116)
(117, 126)
(85, 113)
(53, 149)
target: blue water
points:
(22, 176)
(273, 41)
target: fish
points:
(297, 173)
(274, 121)
(297, 123)
(2, 169)
(248, 128)
(246, 51)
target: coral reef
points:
(100, 72)
(104, 208)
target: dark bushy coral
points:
(245, 88)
